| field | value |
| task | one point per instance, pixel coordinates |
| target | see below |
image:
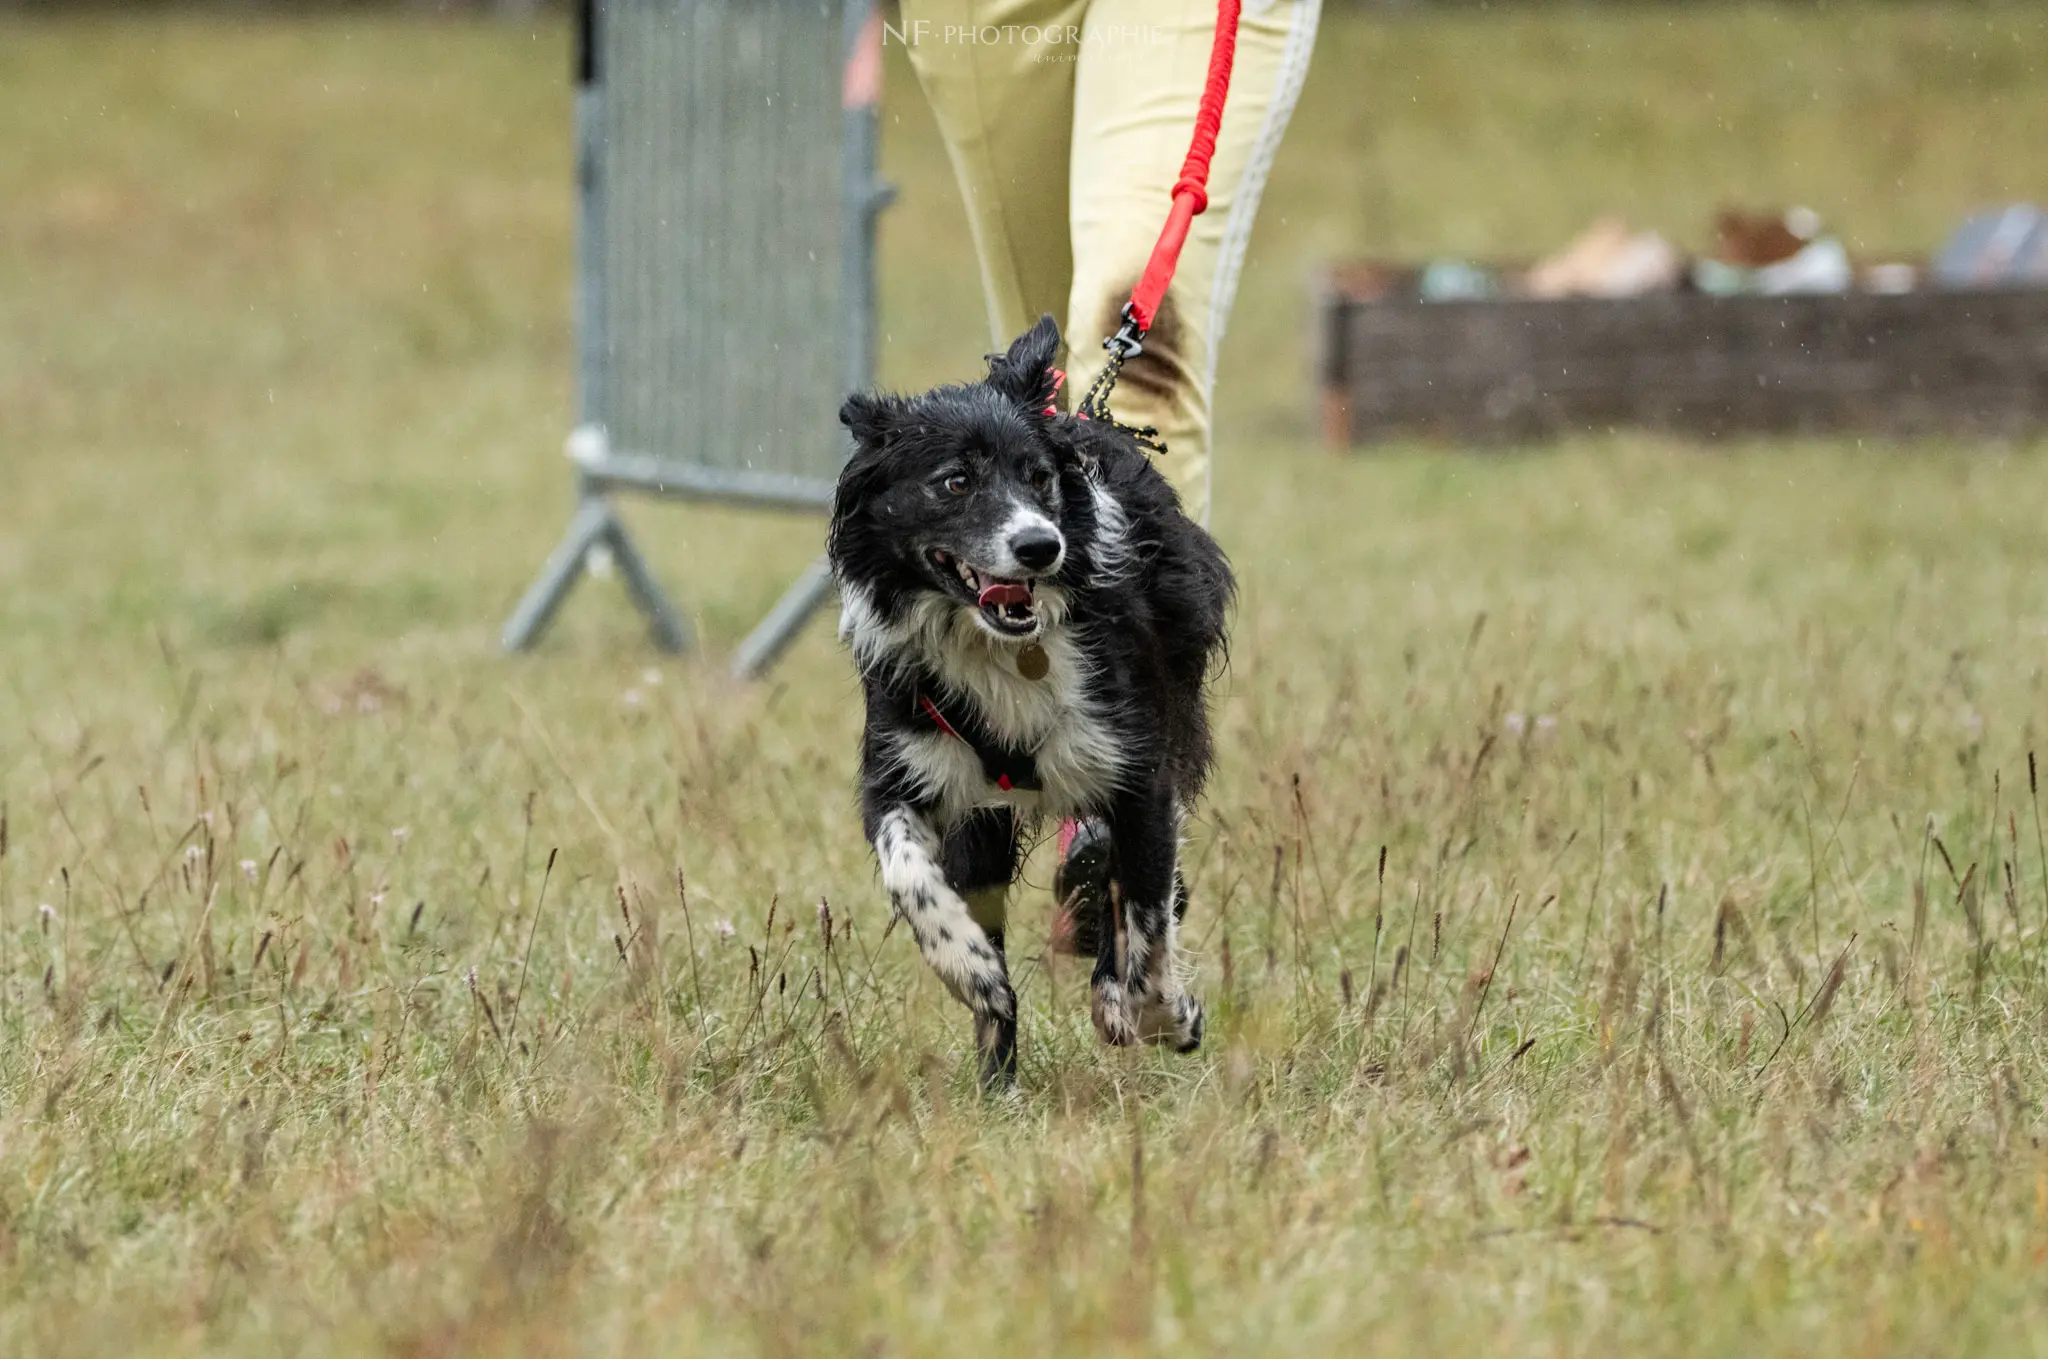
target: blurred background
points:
(285, 289)
(1694, 737)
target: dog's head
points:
(966, 493)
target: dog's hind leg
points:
(956, 945)
(1139, 993)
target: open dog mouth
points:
(1007, 606)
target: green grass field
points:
(1621, 904)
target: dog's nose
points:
(1036, 548)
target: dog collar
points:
(1007, 769)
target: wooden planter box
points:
(1517, 369)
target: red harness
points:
(1007, 769)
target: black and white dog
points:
(1034, 620)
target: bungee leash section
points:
(1190, 198)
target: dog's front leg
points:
(1138, 992)
(967, 960)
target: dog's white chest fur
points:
(1056, 719)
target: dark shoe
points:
(1080, 889)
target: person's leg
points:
(1005, 110)
(1142, 67)
(999, 75)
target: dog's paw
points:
(1175, 1023)
(995, 1042)
(1115, 1024)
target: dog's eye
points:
(957, 484)
(1041, 479)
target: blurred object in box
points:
(1995, 249)
(1751, 240)
(1891, 278)
(1454, 281)
(1368, 282)
(1775, 254)
(1722, 280)
(1822, 267)
(1607, 260)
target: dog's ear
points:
(1025, 374)
(871, 415)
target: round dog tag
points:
(1031, 661)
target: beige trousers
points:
(1067, 121)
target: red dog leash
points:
(1190, 197)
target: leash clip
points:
(1129, 340)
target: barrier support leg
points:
(595, 525)
(773, 634)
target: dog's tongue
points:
(1003, 593)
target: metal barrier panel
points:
(725, 289)
(720, 189)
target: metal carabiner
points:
(1129, 340)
